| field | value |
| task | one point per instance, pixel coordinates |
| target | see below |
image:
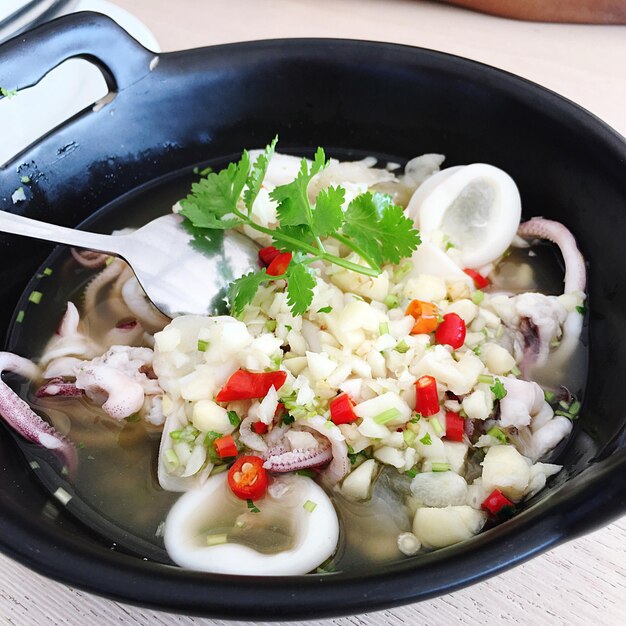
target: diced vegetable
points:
(426, 316)
(247, 478)
(427, 397)
(440, 527)
(497, 504)
(244, 385)
(451, 331)
(480, 281)
(268, 254)
(342, 410)
(357, 484)
(279, 265)
(455, 426)
(225, 446)
(504, 468)
(259, 428)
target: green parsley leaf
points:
(257, 174)
(300, 284)
(293, 201)
(328, 214)
(243, 289)
(498, 389)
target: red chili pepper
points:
(225, 446)
(248, 478)
(426, 317)
(480, 282)
(259, 428)
(497, 503)
(244, 385)
(279, 264)
(426, 398)
(455, 426)
(268, 254)
(451, 331)
(341, 410)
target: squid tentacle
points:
(23, 420)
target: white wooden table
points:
(583, 582)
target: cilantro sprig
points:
(371, 226)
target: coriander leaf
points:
(293, 201)
(300, 284)
(498, 389)
(380, 228)
(301, 233)
(257, 174)
(199, 218)
(243, 289)
(328, 214)
(398, 237)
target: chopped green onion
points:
(252, 507)
(391, 302)
(402, 347)
(309, 506)
(216, 540)
(478, 296)
(564, 405)
(412, 473)
(516, 371)
(289, 329)
(387, 416)
(306, 472)
(218, 469)
(574, 408)
(171, 458)
(476, 350)
(325, 309)
(485, 378)
(564, 414)
(202, 345)
(25, 179)
(426, 440)
(383, 328)
(498, 389)
(35, 297)
(581, 309)
(233, 418)
(47, 271)
(415, 419)
(270, 326)
(449, 246)
(549, 396)
(187, 434)
(440, 467)
(135, 417)
(437, 427)
(80, 445)
(109, 260)
(498, 434)
(409, 437)
(19, 318)
(176, 434)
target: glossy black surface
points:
(345, 95)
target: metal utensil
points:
(182, 270)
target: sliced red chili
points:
(451, 331)
(426, 317)
(244, 385)
(497, 503)
(279, 264)
(426, 397)
(455, 426)
(225, 446)
(259, 428)
(247, 478)
(480, 282)
(341, 410)
(268, 254)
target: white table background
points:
(582, 582)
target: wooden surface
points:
(583, 582)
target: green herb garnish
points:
(233, 418)
(498, 389)
(202, 345)
(8, 93)
(581, 309)
(426, 440)
(35, 297)
(372, 226)
(252, 507)
(325, 309)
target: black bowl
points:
(171, 111)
